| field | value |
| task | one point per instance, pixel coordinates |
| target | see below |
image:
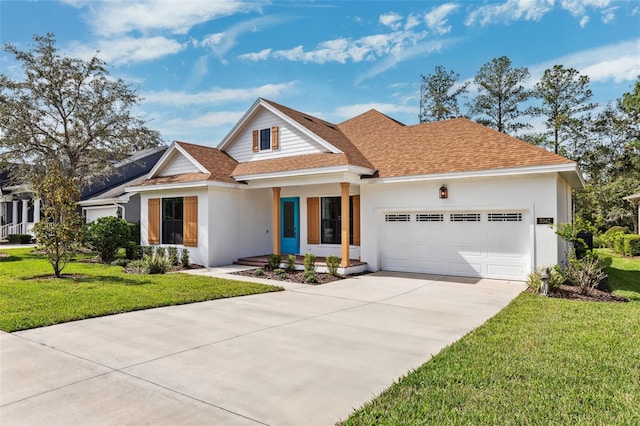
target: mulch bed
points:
(575, 293)
(292, 277)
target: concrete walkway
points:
(308, 355)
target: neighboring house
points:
(451, 197)
(19, 210)
(635, 198)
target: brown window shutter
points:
(190, 222)
(274, 137)
(356, 220)
(256, 141)
(313, 220)
(153, 233)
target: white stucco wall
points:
(94, 213)
(535, 194)
(239, 224)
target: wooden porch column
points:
(276, 220)
(344, 214)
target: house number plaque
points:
(544, 221)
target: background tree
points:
(439, 95)
(69, 113)
(565, 96)
(59, 233)
(500, 94)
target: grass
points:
(28, 302)
(539, 361)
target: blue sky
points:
(201, 64)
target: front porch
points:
(355, 266)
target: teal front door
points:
(290, 225)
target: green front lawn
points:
(539, 361)
(28, 302)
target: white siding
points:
(177, 164)
(292, 141)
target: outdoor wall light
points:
(443, 192)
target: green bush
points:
(258, 272)
(291, 263)
(332, 264)
(161, 251)
(147, 250)
(120, 262)
(631, 245)
(184, 258)
(19, 238)
(608, 238)
(274, 261)
(137, 267)
(618, 243)
(310, 277)
(556, 278)
(309, 263)
(586, 273)
(106, 235)
(157, 263)
(280, 273)
(133, 251)
(172, 254)
(135, 231)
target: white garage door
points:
(493, 244)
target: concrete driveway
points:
(308, 355)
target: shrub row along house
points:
(450, 197)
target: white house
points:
(450, 197)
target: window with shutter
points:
(275, 140)
(256, 146)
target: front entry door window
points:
(289, 225)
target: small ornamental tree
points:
(106, 235)
(61, 230)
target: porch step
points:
(249, 262)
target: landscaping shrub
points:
(610, 234)
(332, 265)
(172, 254)
(618, 243)
(291, 263)
(258, 272)
(161, 251)
(120, 262)
(556, 278)
(631, 245)
(274, 261)
(310, 277)
(134, 228)
(586, 273)
(106, 235)
(133, 251)
(137, 267)
(184, 258)
(147, 250)
(19, 238)
(157, 263)
(309, 263)
(280, 273)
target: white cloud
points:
(618, 62)
(437, 19)
(510, 10)
(391, 20)
(584, 21)
(412, 22)
(256, 56)
(217, 96)
(221, 43)
(579, 7)
(122, 16)
(127, 49)
(608, 15)
(414, 51)
(208, 120)
(350, 111)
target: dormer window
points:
(265, 139)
